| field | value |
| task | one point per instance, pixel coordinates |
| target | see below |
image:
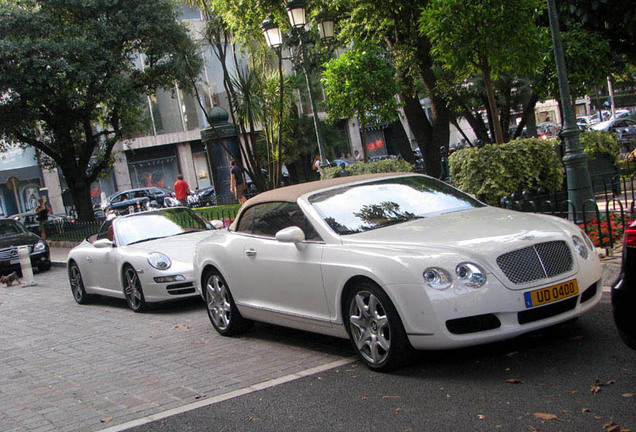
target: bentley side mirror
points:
(216, 224)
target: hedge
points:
(495, 171)
(381, 166)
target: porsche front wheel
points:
(133, 291)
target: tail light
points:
(630, 234)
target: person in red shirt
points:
(181, 190)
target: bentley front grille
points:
(540, 261)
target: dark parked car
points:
(203, 197)
(624, 290)
(624, 128)
(139, 199)
(14, 234)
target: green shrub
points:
(495, 171)
(381, 166)
(599, 142)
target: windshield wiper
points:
(145, 240)
(189, 231)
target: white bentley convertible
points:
(143, 258)
(395, 262)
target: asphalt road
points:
(577, 377)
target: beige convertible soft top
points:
(291, 193)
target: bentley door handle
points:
(250, 253)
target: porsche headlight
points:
(39, 246)
(159, 261)
(470, 275)
(437, 278)
(580, 247)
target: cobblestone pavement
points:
(68, 367)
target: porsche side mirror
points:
(291, 234)
(216, 224)
(103, 243)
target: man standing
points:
(237, 182)
(42, 212)
(181, 190)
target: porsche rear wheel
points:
(375, 328)
(133, 291)
(77, 284)
(222, 310)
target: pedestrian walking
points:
(237, 182)
(181, 190)
(315, 165)
(42, 212)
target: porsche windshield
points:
(363, 207)
(158, 224)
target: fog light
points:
(165, 279)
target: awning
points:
(22, 174)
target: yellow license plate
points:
(551, 294)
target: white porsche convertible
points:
(395, 262)
(143, 258)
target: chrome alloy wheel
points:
(76, 282)
(132, 290)
(218, 302)
(369, 326)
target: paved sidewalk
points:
(67, 367)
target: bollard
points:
(25, 265)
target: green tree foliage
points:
(488, 37)
(495, 171)
(361, 82)
(395, 25)
(69, 83)
(611, 21)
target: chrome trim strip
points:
(286, 314)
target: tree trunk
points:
(528, 119)
(402, 141)
(505, 109)
(363, 135)
(492, 103)
(440, 115)
(81, 191)
(476, 123)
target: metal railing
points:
(603, 219)
(75, 231)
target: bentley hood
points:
(482, 231)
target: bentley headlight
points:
(587, 240)
(159, 261)
(437, 278)
(579, 245)
(470, 275)
(39, 246)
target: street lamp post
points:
(575, 160)
(296, 11)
